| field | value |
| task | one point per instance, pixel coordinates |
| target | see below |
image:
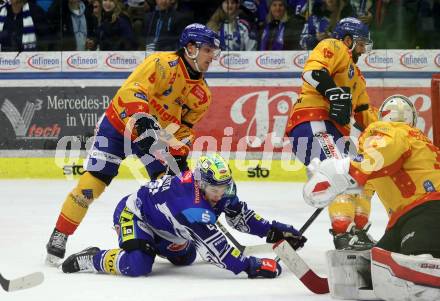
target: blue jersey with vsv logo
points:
(175, 209)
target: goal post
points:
(435, 106)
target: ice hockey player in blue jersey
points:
(174, 217)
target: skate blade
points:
(53, 261)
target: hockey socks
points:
(77, 202)
(129, 263)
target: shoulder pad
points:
(199, 215)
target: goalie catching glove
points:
(280, 231)
(328, 179)
(263, 267)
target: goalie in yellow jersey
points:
(152, 116)
(333, 94)
(403, 167)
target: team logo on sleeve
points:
(351, 72)
(429, 186)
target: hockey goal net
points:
(435, 105)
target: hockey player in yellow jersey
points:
(151, 116)
(334, 94)
(403, 167)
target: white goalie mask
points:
(398, 108)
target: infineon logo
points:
(121, 61)
(300, 59)
(437, 60)
(412, 61)
(271, 61)
(9, 64)
(82, 62)
(376, 60)
(234, 61)
(42, 62)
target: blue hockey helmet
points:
(357, 30)
(200, 35)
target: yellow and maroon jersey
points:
(333, 55)
(401, 164)
(161, 86)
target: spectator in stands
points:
(73, 26)
(362, 10)
(298, 7)
(97, 11)
(325, 16)
(23, 26)
(115, 32)
(428, 24)
(394, 25)
(281, 31)
(44, 4)
(202, 9)
(163, 26)
(136, 10)
(317, 26)
(235, 32)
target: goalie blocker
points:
(383, 275)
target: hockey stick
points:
(267, 247)
(21, 283)
(235, 242)
(300, 268)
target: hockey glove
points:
(280, 231)
(263, 267)
(340, 104)
(147, 130)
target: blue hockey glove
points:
(279, 231)
(263, 267)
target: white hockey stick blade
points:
(256, 249)
(301, 270)
(21, 283)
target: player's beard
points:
(355, 56)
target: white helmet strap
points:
(194, 57)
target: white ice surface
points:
(29, 209)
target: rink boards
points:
(50, 96)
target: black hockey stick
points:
(21, 283)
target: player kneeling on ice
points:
(402, 165)
(174, 217)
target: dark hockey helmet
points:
(357, 30)
(200, 35)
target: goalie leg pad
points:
(405, 277)
(349, 274)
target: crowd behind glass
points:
(155, 25)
